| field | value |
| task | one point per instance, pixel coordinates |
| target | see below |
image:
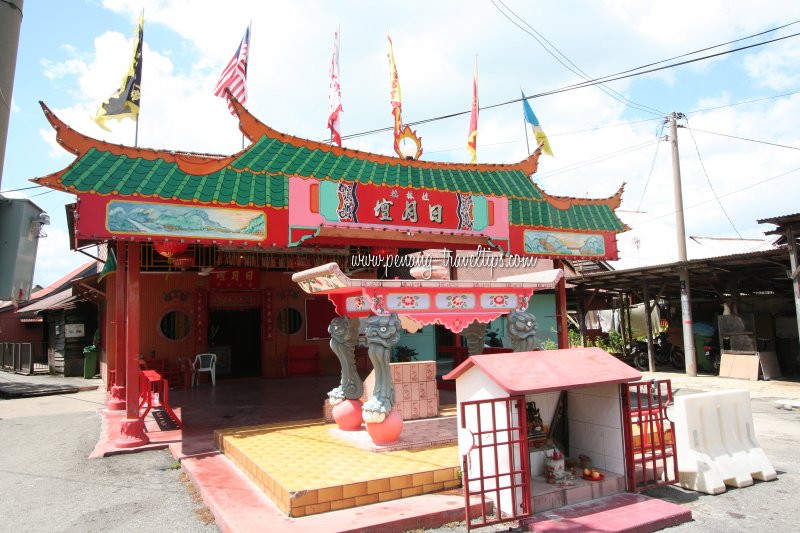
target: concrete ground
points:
(49, 484)
(770, 506)
(20, 386)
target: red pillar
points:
(561, 309)
(117, 400)
(132, 432)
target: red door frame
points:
(651, 460)
(506, 451)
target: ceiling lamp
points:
(170, 248)
(182, 260)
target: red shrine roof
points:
(550, 370)
(258, 176)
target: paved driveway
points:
(48, 484)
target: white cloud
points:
(775, 68)
(435, 45)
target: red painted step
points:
(628, 513)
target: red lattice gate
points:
(650, 455)
(495, 464)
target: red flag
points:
(472, 139)
(234, 77)
(396, 97)
(335, 96)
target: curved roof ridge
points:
(78, 144)
(565, 202)
(254, 129)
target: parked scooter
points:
(664, 352)
(492, 340)
(712, 353)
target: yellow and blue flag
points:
(538, 132)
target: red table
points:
(154, 392)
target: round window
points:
(176, 325)
(290, 320)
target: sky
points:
(72, 56)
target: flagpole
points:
(525, 125)
(338, 72)
(249, 50)
(136, 131)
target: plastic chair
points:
(179, 375)
(204, 362)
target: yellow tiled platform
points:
(305, 469)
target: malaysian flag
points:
(234, 77)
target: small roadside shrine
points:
(520, 414)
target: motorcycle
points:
(712, 353)
(664, 352)
(492, 340)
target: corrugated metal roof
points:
(57, 301)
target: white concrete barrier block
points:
(715, 442)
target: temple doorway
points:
(235, 336)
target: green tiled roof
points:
(584, 217)
(259, 177)
(106, 173)
(274, 156)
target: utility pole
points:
(686, 301)
(10, 20)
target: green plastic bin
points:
(702, 363)
(89, 362)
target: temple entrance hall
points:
(235, 336)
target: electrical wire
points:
(538, 37)
(23, 188)
(711, 186)
(649, 174)
(587, 162)
(605, 79)
(660, 119)
(752, 185)
(742, 102)
(745, 139)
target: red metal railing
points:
(496, 467)
(649, 435)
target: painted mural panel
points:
(563, 243)
(150, 218)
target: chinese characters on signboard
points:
(234, 278)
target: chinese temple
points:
(203, 247)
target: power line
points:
(605, 79)
(557, 134)
(710, 186)
(742, 102)
(756, 184)
(745, 139)
(587, 162)
(576, 70)
(23, 188)
(649, 174)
